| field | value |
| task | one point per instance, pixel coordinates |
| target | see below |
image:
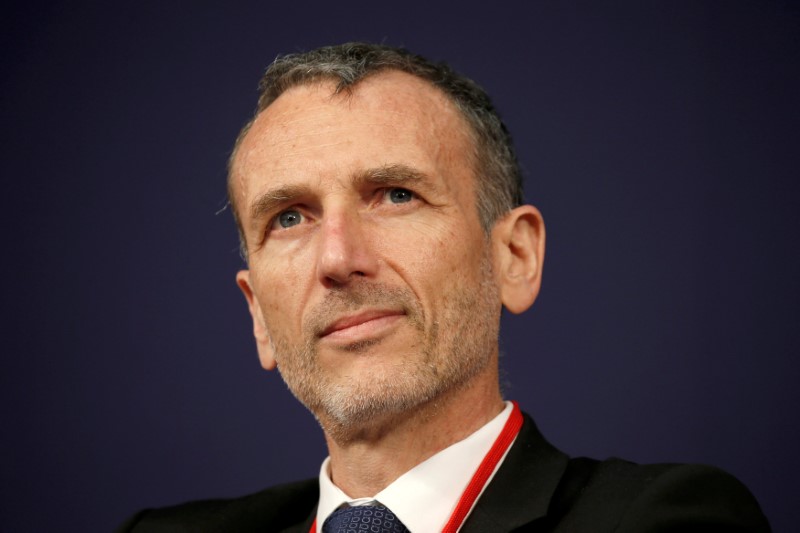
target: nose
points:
(344, 250)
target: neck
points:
(365, 465)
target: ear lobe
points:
(520, 238)
(263, 342)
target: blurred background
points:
(659, 139)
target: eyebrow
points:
(395, 175)
(272, 199)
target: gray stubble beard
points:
(453, 352)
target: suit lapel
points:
(305, 526)
(521, 490)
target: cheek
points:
(414, 249)
(433, 258)
(279, 292)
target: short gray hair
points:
(495, 163)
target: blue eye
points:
(290, 218)
(400, 196)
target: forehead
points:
(387, 118)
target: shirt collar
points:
(435, 485)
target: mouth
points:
(361, 325)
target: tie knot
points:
(363, 519)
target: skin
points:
(372, 286)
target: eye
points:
(289, 218)
(399, 196)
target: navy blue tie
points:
(363, 519)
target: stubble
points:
(446, 355)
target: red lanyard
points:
(481, 475)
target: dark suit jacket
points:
(536, 489)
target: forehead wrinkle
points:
(297, 151)
(303, 114)
(286, 135)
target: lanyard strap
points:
(481, 475)
(486, 468)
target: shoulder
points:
(628, 497)
(275, 509)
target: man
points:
(380, 210)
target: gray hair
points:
(494, 160)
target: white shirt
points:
(424, 497)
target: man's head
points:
(492, 152)
(374, 283)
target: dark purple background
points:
(659, 141)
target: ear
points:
(263, 342)
(519, 254)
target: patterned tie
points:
(363, 519)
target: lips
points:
(361, 323)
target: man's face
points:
(371, 280)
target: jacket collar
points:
(523, 486)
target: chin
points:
(375, 398)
